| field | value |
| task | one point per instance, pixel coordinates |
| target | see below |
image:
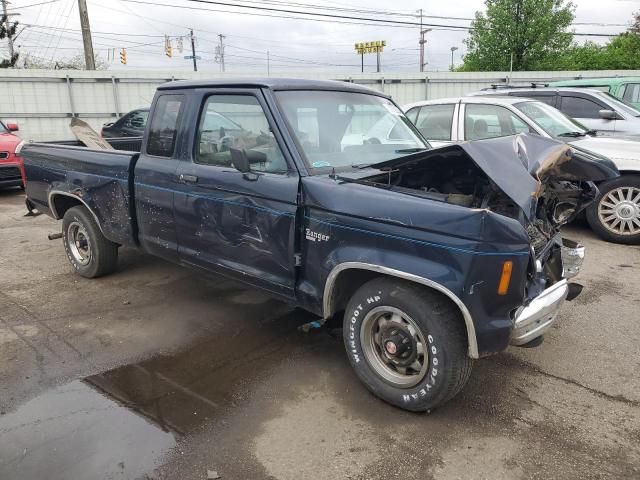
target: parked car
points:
(433, 257)
(623, 88)
(11, 169)
(594, 109)
(131, 124)
(614, 216)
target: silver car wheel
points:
(394, 346)
(79, 243)
(619, 211)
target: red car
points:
(11, 169)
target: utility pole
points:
(221, 51)
(422, 43)
(268, 69)
(453, 49)
(193, 51)
(6, 20)
(89, 59)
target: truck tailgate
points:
(58, 175)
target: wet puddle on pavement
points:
(119, 424)
(75, 431)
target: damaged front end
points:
(542, 183)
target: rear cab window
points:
(164, 125)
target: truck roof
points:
(273, 84)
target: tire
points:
(438, 326)
(90, 254)
(609, 205)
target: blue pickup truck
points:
(326, 196)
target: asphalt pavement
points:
(159, 372)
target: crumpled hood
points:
(520, 165)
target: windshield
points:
(551, 120)
(342, 129)
(621, 105)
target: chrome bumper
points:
(537, 317)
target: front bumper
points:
(538, 317)
(10, 175)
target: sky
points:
(52, 32)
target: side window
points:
(580, 107)
(136, 119)
(434, 121)
(237, 122)
(632, 93)
(489, 121)
(412, 113)
(162, 131)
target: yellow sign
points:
(370, 47)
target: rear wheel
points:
(89, 252)
(615, 214)
(407, 344)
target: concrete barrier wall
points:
(42, 102)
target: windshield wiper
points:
(412, 150)
(573, 134)
(360, 166)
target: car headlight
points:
(19, 147)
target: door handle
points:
(188, 178)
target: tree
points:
(527, 32)
(8, 31)
(635, 28)
(76, 62)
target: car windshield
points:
(551, 120)
(344, 129)
(621, 104)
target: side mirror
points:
(12, 127)
(608, 115)
(240, 160)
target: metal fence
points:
(42, 102)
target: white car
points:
(614, 216)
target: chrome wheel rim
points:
(394, 346)
(79, 243)
(619, 211)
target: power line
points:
(330, 18)
(32, 5)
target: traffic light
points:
(168, 50)
(123, 56)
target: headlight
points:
(19, 147)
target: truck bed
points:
(61, 176)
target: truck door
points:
(239, 223)
(155, 178)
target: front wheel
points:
(90, 253)
(615, 214)
(407, 344)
